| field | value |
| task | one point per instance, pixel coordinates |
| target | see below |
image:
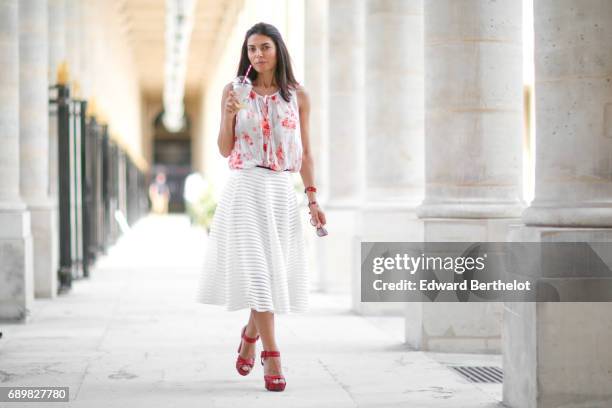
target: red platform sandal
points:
(273, 382)
(242, 362)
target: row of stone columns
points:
(16, 270)
(29, 234)
(369, 151)
(33, 39)
(443, 92)
(556, 354)
(446, 137)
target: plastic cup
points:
(242, 87)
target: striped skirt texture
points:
(255, 255)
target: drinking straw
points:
(247, 73)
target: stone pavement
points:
(132, 335)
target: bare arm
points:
(307, 169)
(229, 108)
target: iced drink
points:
(242, 88)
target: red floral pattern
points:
(288, 123)
(265, 127)
(247, 138)
(235, 161)
(269, 134)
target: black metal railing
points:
(99, 186)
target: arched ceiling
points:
(144, 22)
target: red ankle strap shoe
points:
(241, 363)
(273, 382)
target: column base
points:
(556, 354)
(381, 221)
(585, 216)
(330, 256)
(16, 268)
(458, 327)
(479, 210)
(45, 235)
(454, 327)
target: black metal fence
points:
(100, 189)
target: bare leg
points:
(265, 326)
(251, 329)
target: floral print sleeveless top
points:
(268, 134)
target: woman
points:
(255, 256)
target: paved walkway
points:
(133, 336)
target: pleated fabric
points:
(255, 255)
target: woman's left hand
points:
(317, 216)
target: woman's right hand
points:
(232, 106)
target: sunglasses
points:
(320, 231)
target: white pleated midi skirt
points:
(255, 255)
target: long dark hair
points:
(283, 72)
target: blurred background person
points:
(159, 193)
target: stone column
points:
(474, 109)
(16, 273)
(86, 53)
(73, 38)
(346, 101)
(316, 71)
(473, 136)
(57, 55)
(346, 143)
(574, 115)
(316, 48)
(394, 128)
(558, 354)
(395, 102)
(57, 27)
(34, 142)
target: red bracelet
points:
(311, 202)
(310, 188)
